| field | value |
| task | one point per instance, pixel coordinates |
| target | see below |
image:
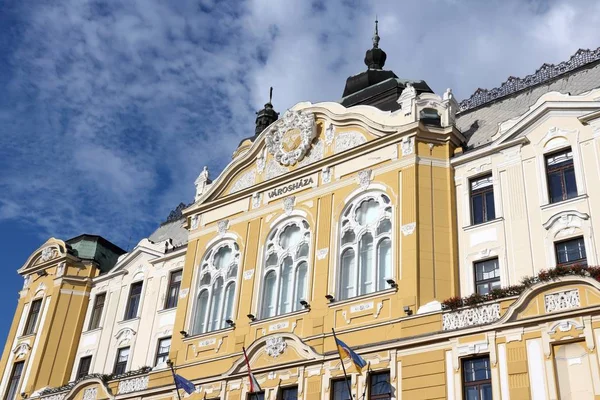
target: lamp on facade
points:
(407, 310)
(184, 334)
(42, 273)
(305, 304)
(230, 322)
(392, 283)
(251, 317)
(330, 298)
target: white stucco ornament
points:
(48, 253)
(275, 346)
(290, 137)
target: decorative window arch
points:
(285, 273)
(216, 287)
(365, 245)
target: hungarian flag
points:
(254, 386)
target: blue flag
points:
(346, 352)
(182, 383)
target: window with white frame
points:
(366, 246)
(286, 268)
(216, 287)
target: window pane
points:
(366, 264)
(303, 251)
(348, 274)
(384, 262)
(97, 311)
(477, 209)
(34, 312)
(285, 293)
(367, 212)
(349, 237)
(173, 290)
(256, 396)
(472, 393)
(555, 188)
(385, 226)
(15, 378)
(570, 251)
(268, 309)
(290, 236)
(201, 309)
(228, 309)
(289, 393)
(490, 212)
(340, 390)
(215, 304)
(570, 184)
(134, 300)
(162, 354)
(223, 257)
(84, 367)
(300, 284)
(380, 385)
(272, 260)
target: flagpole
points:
(249, 372)
(366, 383)
(170, 364)
(343, 366)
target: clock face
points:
(291, 139)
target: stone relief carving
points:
(244, 181)
(125, 335)
(326, 174)
(21, 350)
(133, 385)
(274, 169)
(322, 253)
(256, 198)
(316, 154)
(183, 293)
(348, 140)
(195, 221)
(485, 314)
(261, 161)
(26, 281)
(408, 146)
(288, 204)
(275, 346)
(202, 183)
(90, 393)
(562, 300)
(222, 226)
(329, 134)
(408, 229)
(59, 396)
(60, 270)
(364, 178)
(289, 139)
(48, 254)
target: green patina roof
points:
(96, 248)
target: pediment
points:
(134, 261)
(48, 253)
(92, 388)
(305, 134)
(276, 349)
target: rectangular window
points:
(487, 276)
(97, 311)
(379, 386)
(34, 313)
(289, 393)
(340, 390)
(84, 366)
(121, 361)
(477, 381)
(482, 200)
(162, 354)
(173, 289)
(570, 252)
(560, 174)
(13, 383)
(135, 293)
(256, 396)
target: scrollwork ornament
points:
(48, 253)
(289, 139)
(275, 346)
(288, 204)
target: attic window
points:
(430, 116)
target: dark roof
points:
(378, 88)
(95, 248)
(481, 114)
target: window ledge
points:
(29, 335)
(166, 310)
(486, 223)
(373, 295)
(92, 330)
(128, 320)
(280, 316)
(560, 203)
(207, 334)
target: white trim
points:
(38, 335)
(537, 372)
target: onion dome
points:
(266, 116)
(375, 57)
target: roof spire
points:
(376, 36)
(266, 116)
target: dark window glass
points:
(487, 276)
(256, 396)
(97, 311)
(34, 313)
(13, 383)
(570, 251)
(339, 390)
(162, 354)
(173, 290)
(561, 176)
(84, 366)
(135, 293)
(121, 361)
(477, 382)
(289, 393)
(379, 386)
(482, 200)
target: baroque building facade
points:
(450, 244)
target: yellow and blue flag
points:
(346, 352)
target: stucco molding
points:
(281, 142)
(51, 251)
(133, 385)
(84, 385)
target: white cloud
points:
(115, 107)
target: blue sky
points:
(110, 109)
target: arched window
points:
(365, 246)
(286, 268)
(216, 287)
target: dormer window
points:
(430, 116)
